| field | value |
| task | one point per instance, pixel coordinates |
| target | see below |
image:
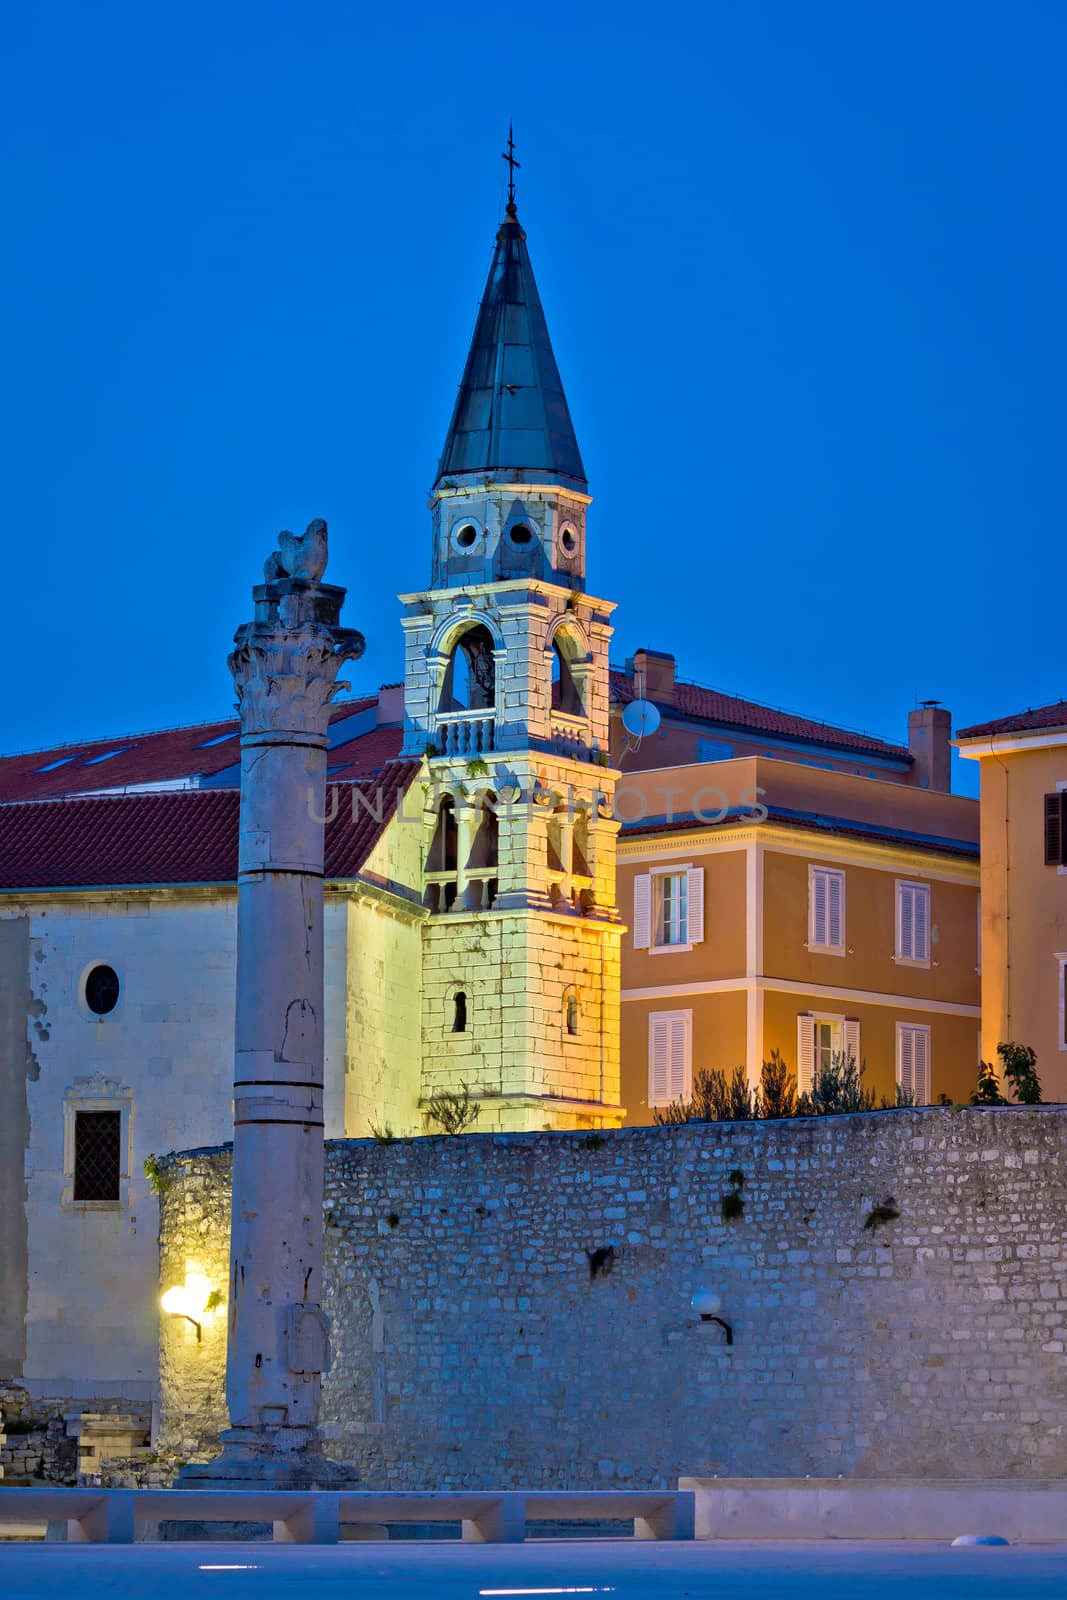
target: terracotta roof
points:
(816, 822)
(1053, 716)
(171, 755)
(179, 836)
(693, 702)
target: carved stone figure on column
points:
(285, 665)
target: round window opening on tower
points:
(466, 536)
(569, 540)
(520, 534)
(101, 990)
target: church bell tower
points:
(506, 695)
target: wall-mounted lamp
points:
(191, 1300)
(709, 1305)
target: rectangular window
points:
(669, 909)
(671, 903)
(1056, 829)
(913, 1061)
(820, 1041)
(670, 1056)
(913, 923)
(826, 910)
(97, 1155)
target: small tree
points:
(453, 1112)
(987, 1092)
(1020, 1070)
(839, 1087)
(778, 1088)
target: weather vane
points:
(509, 157)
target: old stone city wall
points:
(514, 1309)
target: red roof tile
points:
(1053, 716)
(167, 756)
(174, 837)
(693, 701)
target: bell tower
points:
(506, 695)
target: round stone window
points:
(520, 534)
(101, 990)
(569, 540)
(465, 536)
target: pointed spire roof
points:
(511, 416)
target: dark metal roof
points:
(511, 414)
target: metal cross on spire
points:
(509, 157)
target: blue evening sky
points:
(803, 264)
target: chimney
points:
(390, 705)
(929, 735)
(653, 673)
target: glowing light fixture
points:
(708, 1304)
(193, 1300)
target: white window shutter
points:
(921, 923)
(835, 910)
(695, 931)
(905, 1058)
(850, 1040)
(642, 911)
(659, 1059)
(905, 922)
(817, 920)
(679, 1056)
(921, 1068)
(805, 1054)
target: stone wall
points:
(475, 1345)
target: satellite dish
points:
(640, 718)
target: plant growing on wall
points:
(156, 1173)
(451, 1111)
(987, 1092)
(477, 768)
(777, 1090)
(1019, 1068)
(838, 1088)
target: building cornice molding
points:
(814, 991)
(805, 842)
(1006, 744)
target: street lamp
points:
(708, 1304)
(191, 1300)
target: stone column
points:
(285, 667)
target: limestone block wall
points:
(475, 1345)
(516, 969)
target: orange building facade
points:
(778, 906)
(1023, 787)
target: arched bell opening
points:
(470, 677)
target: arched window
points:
(441, 859)
(482, 861)
(459, 1011)
(470, 677)
(566, 695)
(571, 1014)
(442, 856)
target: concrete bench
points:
(657, 1514)
(113, 1516)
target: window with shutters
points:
(913, 923)
(670, 1056)
(820, 1039)
(1056, 829)
(669, 909)
(913, 1061)
(826, 910)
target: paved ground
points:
(449, 1571)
